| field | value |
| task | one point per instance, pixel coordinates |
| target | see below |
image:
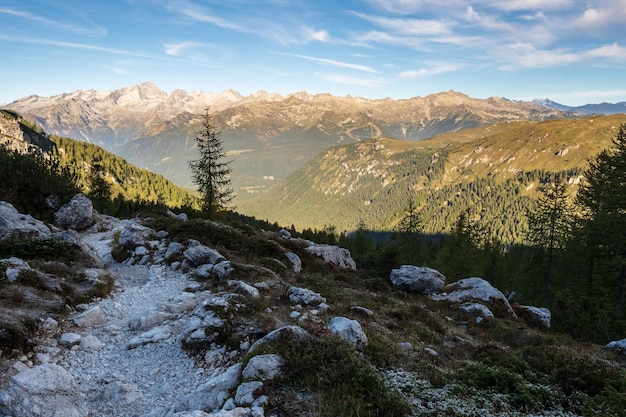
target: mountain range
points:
(268, 136)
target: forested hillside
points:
(491, 173)
(57, 166)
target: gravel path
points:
(122, 382)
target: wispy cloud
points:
(94, 30)
(531, 58)
(115, 70)
(348, 80)
(333, 63)
(408, 26)
(71, 45)
(176, 49)
(433, 70)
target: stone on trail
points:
(212, 394)
(43, 391)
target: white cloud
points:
(530, 58)
(334, 63)
(115, 70)
(72, 45)
(94, 30)
(408, 26)
(343, 79)
(176, 49)
(433, 70)
(521, 5)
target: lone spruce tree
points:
(210, 172)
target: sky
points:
(570, 51)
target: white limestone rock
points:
(349, 330)
(76, 215)
(43, 391)
(332, 254)
(212, 394)
(197, 254)
(135, 235)
(299, 295)
(263, 367)
(474, 288)
(417, 279)
(14, 225)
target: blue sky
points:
(570, 51)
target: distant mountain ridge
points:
(587, 109)
(267, 135)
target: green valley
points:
(491, 171)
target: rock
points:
(245, 289)
(91, 342)
(474, 289)
(49, 325)
(481, 309)
(349, 330)
(304, 296)
(197, 254)
(92, 317)
(149, 320)
(135, 235)
(365, 311)
(417, 279)
(296, 262)
(155, 335)
(263, 367)
(42, 391)
(291, 332)
(205, 322)
(535, 316)
(67, 340)
(618, 345)
(14, 225)
(222, 270)
(212, 394)
(332, 254)
(245, 392)
(118, 393)
(284, 233)
(76, 215)
(173, 249)
(14, 266)
(181, 216)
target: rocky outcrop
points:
(417, 279)
(14, 225)
(535, 316)
(333, 255)
(76, 215)
(43, 391)
(618, 345)
(474, 289)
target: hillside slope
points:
(491, 170)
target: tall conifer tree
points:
(602, 200)
(210, 172)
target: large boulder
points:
(14, 225)
(43, 391)
(535, 316)
(76, 215)
(472, 289)
(197, 254)
(135, 235)
(417, 279)
(333, 255)
(618, 345)
(263, 367)
(349, 330)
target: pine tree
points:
(210, 172)
(549, 227)
(602, 201)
